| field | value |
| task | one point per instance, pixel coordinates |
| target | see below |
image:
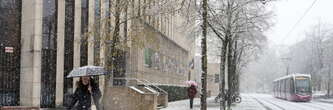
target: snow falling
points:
(166, 54)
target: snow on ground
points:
(318, 93)
(321, 96)
(326, 100)
(247, 104)
(255, 102)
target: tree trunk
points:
(329, 82)
(222, 74)
(204, 56)
(234, 69)
(110, 51)
(230, 75)
(228, 39)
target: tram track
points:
(276, 105)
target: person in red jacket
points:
(191, 92)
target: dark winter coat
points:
(81, 99)
(191, 91)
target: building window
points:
(69, 47)
(10, 37)
(49, 53)
(84, 32)
(217, 78)
(148, 54)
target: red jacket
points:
(191, 91)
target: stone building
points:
(41, 41)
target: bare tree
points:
(232, 21)
(316, 58)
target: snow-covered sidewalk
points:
(321, 96)
(247, 103)
(326, 100)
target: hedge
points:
(175, 92)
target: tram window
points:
(284, 85)
(288, 85)
(292, 85)
(279, 86)
(280, 83)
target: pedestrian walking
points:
(87, 91)
(191, 91)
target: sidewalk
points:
(326, 100)
(247, 103)
(321, 97)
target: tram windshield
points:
(303, 85)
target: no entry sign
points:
(9, 49)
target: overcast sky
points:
(288, 12)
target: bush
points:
(175, 92)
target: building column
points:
(77, 38)
(91, 29)
(60, 53)
(31, 40)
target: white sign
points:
(9, 49)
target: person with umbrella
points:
(87, 89)
(191, 92)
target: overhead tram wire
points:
(299, 20)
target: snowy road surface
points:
(255, 102)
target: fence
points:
(9, 75)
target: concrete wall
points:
(125, 98)
(160, 73)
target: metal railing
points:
(144, 82)
(152, 84)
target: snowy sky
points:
(288, 12)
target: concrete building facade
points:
(54, 39)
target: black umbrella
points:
(87, 71)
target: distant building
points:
(213, 71)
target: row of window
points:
(158, 61)
(10, 22)
(49, 53)
(162, 21)
(10, 18)
(69, 47)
